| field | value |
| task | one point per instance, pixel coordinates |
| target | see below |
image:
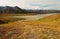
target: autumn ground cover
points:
(45, 28)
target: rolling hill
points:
(45, 28)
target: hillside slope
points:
(55, 17)
(46, 28)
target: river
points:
(32, 17)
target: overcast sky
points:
(32, 4)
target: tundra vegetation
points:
(45, 28)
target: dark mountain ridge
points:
(18, 10)
(8, 9)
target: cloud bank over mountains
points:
(32, 4)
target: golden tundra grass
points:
(17, 14)
(45, 28)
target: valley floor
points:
(45, 28)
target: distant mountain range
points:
(8, 9)
(17, 10)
